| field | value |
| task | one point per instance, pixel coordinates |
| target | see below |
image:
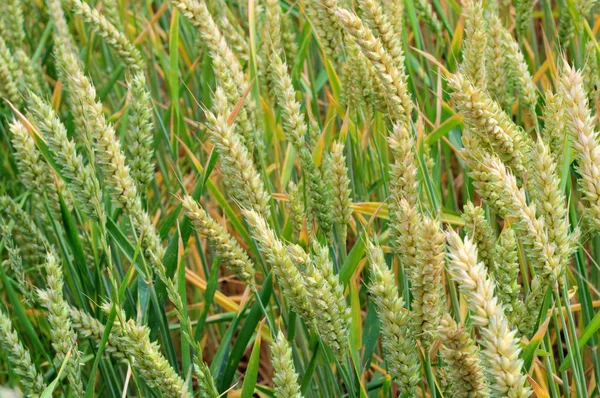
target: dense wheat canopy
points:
(323, 198)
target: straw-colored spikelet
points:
(296, 209)
(19, 358)
(462, 356)
(109, 156)
(403, 173)
(117, 40)
(518, 72)
(506, 274)
(340, 189)
(491, 124)
(479, 229)
(236, 164)
(427, 284)
(224, 245)
(140, 133)
(81, 178)
(475, 44)
(331, 313)
(396, 331)
(33, 168)
(228, 70)
(550, 202)
(499, 188)
(580, 126)
(62, 335)
(554, 132)
(393, 79)
(500, 353)
(295, 128)
(379, 23)
(498, 83)
(285, 378)
(276, 255)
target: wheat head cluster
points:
(314, 198)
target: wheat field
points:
(319, 198)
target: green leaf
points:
(252, 370)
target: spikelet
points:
(30, 240)
(394, 9)
(234, 35)
(463, 360)
(566, 26)
(429, 18)
(19, 358)
(117, 40)
(498, 83)
(500, 354)
(276, 255)
(554, 132)
(10, 75)
(152, 366)
(140, 132)
(246, 183)
(392, 78)
(331, 313)
(285, 378)
(340, 189)
(405, 227)
(479, 229)
(33, 76)
(228, 70)
(110, 8)
(524, 12)
(396, 332)
(580, 127)
(288, 39)
(109, 156)
(526, 318)
(590, 75)
(13, 18)
(506, 274)
(81, 178)
(475, 44)
(295, 128)
(551, 203)
(33, 168)
(62, 335)
(62, 37)
(375, 19)
(224, 245)
(427, 285)
(15, 263)
(87, 326)
(271, 42)
(486, 119)
(584, 7)
(326, 27)
(296, 209)
(499, 188)
(518, 71)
